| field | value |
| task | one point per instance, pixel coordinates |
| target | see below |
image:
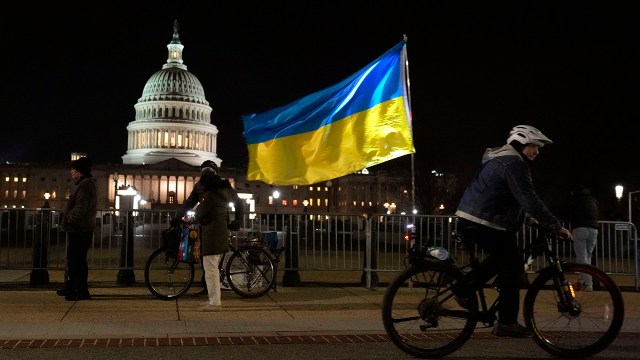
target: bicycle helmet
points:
(526, 134)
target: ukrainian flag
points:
(360, 122)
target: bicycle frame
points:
(428, 313)
(541, 247)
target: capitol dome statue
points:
(173, 117)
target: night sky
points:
(73, 74)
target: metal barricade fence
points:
(367, 245)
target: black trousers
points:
(504, 260)
(78, 244)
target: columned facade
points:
(172, 117)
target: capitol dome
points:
(173, 117)
(173, 84)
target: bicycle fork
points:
(564, 290)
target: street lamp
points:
(276, 195)
(392, 208)
(46, 200)
(619, 192)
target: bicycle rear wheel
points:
(422, 317)
(167, 277)
(250, 272)
(584, 329)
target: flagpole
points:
(413, 173)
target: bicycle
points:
(423, 318)
(250, 270)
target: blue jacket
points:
(502, 194)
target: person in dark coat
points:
(584, 214)
(79, 222)
(213, 215)
(189, 203)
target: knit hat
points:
(82, 165)
(209, 165)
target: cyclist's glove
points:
(234, 225)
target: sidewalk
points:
(131, 316)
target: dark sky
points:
(73, 74)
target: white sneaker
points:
(211, 308)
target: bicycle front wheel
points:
(250, 272)
(580, 329)
(421, 315)
(167, 277)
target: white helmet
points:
(526, 134)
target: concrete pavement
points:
(131, 316)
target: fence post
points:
(126, 275)
(369, 276)
(291, 275)
(39, 274)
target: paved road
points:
(128, 322)
(623, 348)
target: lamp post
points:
(40, 275)
(620, 192)
(127, 204)
(630, 202)
(276, 195)
(46, 200)
(329, 196)
(115, 188)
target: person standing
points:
(79, 222)
(584, 213)
(491, 211)
(189, 203)
(213, 215)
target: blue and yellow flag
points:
(360, 122)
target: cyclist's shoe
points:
(511, 330)
(211, 308)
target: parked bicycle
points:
(249, 270)
(423, 318)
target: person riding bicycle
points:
(491, 211)
(212, 214)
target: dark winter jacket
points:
(502, 193)
(81, 209)
(584, 210)
(213, 214)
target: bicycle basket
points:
(267, 240)
(171, 238)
